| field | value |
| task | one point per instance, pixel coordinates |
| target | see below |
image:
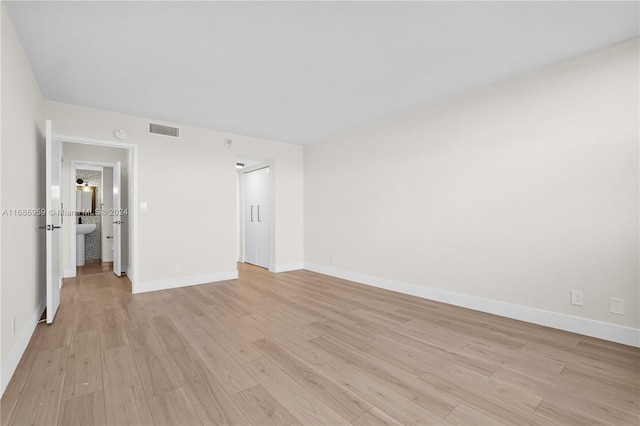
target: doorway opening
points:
(117, 163)
(255, 218)
(55, 184)
(98, 231)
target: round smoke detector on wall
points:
(120, 134)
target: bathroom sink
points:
(82, 229)
(85, 228)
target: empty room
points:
(320, 213)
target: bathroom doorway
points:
(104, 157)
(98, 221)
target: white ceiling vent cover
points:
(159, 129)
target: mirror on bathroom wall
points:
(86, 200)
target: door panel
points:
(262, 240)
(117, 221)
(52, 227)
(256, 217)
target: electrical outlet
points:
(333, 258)
(616, 306)
(178, 267)
(577, 298)
(143, 207)
(13, 326)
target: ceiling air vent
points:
(159, 129)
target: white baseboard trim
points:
(155, 285)
(601, 330)
(69, 273)
(10, 365)
(286, 267)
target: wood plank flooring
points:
(303, 348)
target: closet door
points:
(256, 217)
(250, 222)
(262, 216)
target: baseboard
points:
(155, 285)
(601, 330)
(10, 365)
(69, 273)
(286, 267)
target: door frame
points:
(75, 166)
(132, 267)
(270, 163)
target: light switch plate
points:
(143, 207)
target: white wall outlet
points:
(178, 267)
(616, 306)
(13, 326)
(577, 298)
(143, 207)
(333, 258)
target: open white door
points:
(117, 222)
(52, 228)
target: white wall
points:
(503, 199)
(101, 154)
(189, 185)
(22, 286)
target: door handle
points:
(49, 227)
(108, 237)
(258, 212)
(251, 213)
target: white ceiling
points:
(297, 72)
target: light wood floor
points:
(303, 348)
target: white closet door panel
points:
(263, 218)
(256, 217)
(250, 248)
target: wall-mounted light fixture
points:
(239, 165)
